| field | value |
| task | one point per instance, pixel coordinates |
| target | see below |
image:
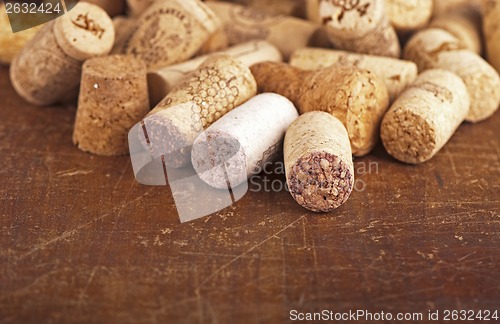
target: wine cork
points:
(124, 27)
(243, 24)
(217, 42)
(409, 15)
(49, 66)
(445, 6)
(161, 81)
(220, 84)
(436, 48)
(360, 26)
(312, 11)
(318, 162)
(137, 7)
(243, 141)
(12, 43)
(397, 74)
(491, 27)
(113, 98)
(425, 116)
(112, 7)
(356, 97)
(465, 25)
(171, 31)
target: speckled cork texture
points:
(355, 96)
(171, 31)
(243, 24)
(409, 15)
(242, 142)
(360, 26)
(436, 48)
(318, 162)
(220, 84)
(425, 116)
(491, 27)
(397, 74)
(113, 98)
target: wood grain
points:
(82, 242)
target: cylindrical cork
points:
(445, 6)
(137, 7)
(409, 15)
(318, 162)
(124, 27)
(113, 98)
(217, 42)
(491, 29)
(436, 48)
(425, 116)
(242, 142)
(396, 73)
(49, 66)
(112, 7)
(220, 84)
(465, 25)
(171, 31)
(243, 24)
(360, 26)
(357, 97)
(276, 7)
(161, 81)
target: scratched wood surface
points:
(81, 241)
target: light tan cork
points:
(425, 116)
(217, 42)
(409, 15)
(243, 141)
(318, 162)
(113, 98)
(445, 6)
(360, 26)
(161, 81)
(220, 84)
(112, 7)
(436, 48)
(491, 27)
(243, 24)
(294, 8)
(171, 31)
(396, 73)
(355, 96)
(464, 24)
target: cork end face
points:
(408, 137)
(116, 67)
(321, 182)
(84, 32)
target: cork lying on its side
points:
(425, 116)
(318, 162)
(436, 48)
(49, 66)
(491, 27)
(242, 142)
(409, 15)
(360, 26)
(220, 84)
(396, 73)
(113, 98)
(357, 97)
(171, 31)
(161, 81)
(242, 24)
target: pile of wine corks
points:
(226, 87)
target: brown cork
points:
(124, 27)
(243, 141)
(425, 116)
(113, 98)
(436, 48)
(396, 73)
(360, 26)
(409, 15)
(137, 7)
(220, 84)
(112, 7)
(355, 96)
(243, 24)
(491, 27)
(171, 31)
(294, 8)
(161, 81)
(318, 162)
(217, 42)
(445, 6)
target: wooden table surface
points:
(81, 241)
